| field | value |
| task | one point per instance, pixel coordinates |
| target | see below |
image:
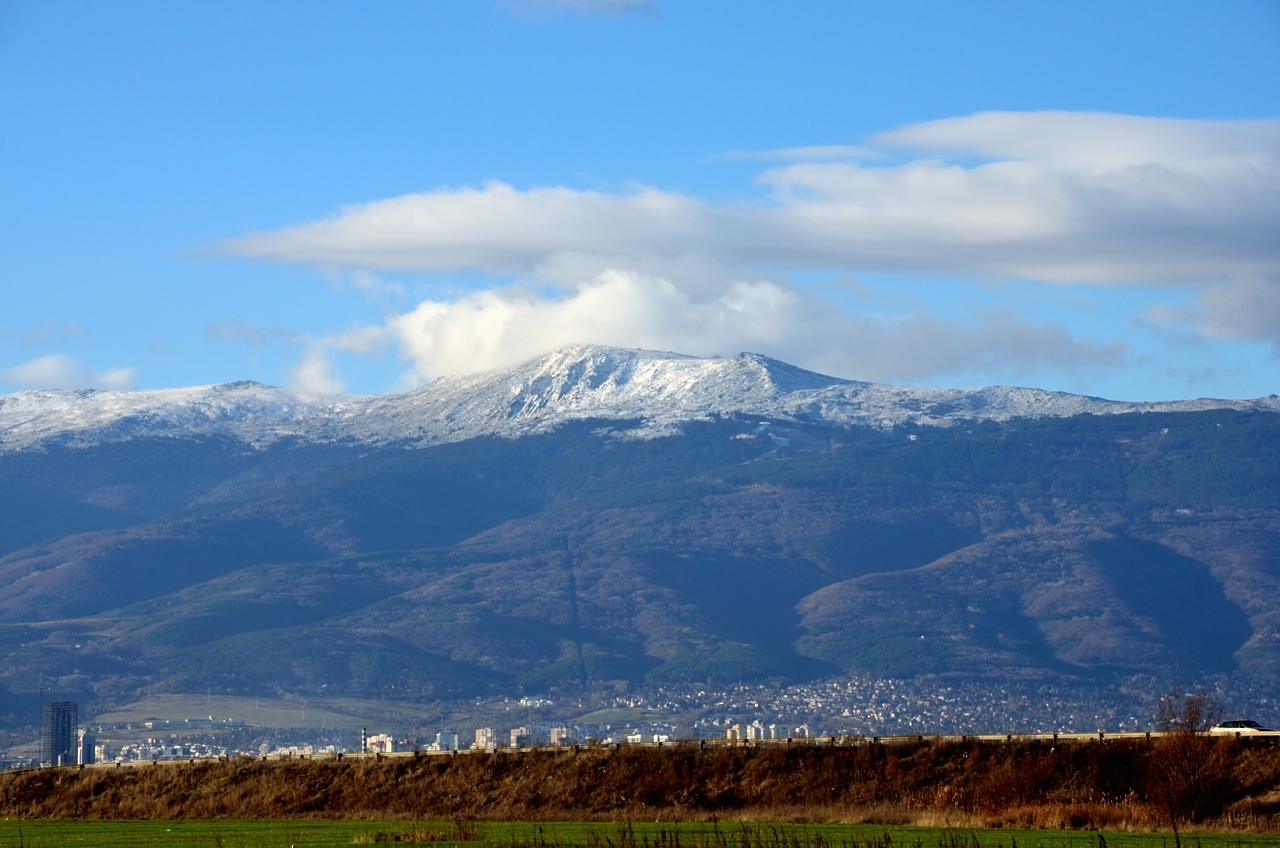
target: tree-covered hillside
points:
(737, 550)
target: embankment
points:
(1115, 784)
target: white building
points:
(486, 739)
(521, 737)
(382, 743)
(86, 748)
(561, 736)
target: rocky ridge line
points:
(660, 390)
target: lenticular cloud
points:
(1067, 197)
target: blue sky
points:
(363, 196)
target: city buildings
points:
(380, 743)
(86, 749)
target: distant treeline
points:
(1116, 784)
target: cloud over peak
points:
(496, 328)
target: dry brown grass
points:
(1017, 784)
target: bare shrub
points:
(1189, 770)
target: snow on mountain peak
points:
(660, 390)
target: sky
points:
(363, 197)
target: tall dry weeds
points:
(1016, 784)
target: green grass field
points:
(310, 833)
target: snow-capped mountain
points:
(660, 390)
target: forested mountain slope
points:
(735, 547)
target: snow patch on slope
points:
(661, 390)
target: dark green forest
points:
(740, 549)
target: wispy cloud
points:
(235, 330)
(55, 332)
(374, 285)
(56, 371)
(314, 372)
(1242, 309)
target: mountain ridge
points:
(660, 390)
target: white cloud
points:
(1071, 198)
(491, 329)
(313, 373)
(496, 228)
(56, 371)
(1100, 137)
(1067, 197)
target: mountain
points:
(661, 390)
(602, 519)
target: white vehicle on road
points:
(1238, 726)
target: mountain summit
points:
(659, 390)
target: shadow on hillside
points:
(872, 547)
(1180, 596)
